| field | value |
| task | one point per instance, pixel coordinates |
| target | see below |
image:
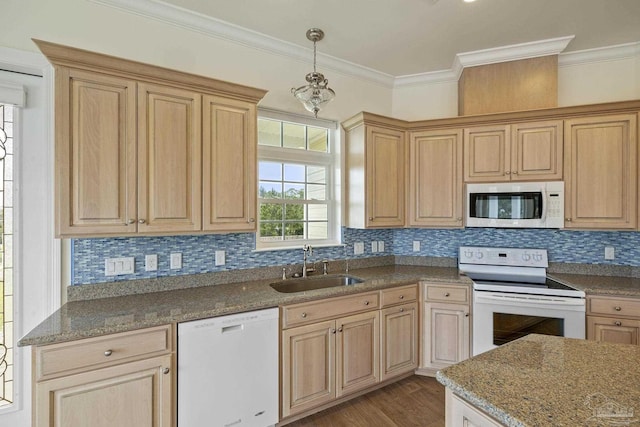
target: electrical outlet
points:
(220, 258)
(416, 246)
(151, 262)
(175, 261)
(374, 247)
(119, 266)
(381, 246)
(358, 248)
(609, 252)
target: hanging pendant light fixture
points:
(317, 93)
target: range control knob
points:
(526, 257)
(468, 254)
(479, 255)
(537, 256)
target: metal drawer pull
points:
(303, 315)
(447, 294)
(108, 353)
(617, 308)
(401, 296)
(366, 303)
(618, 323)
(165, 371)
(401, 310)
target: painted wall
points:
(425, 101)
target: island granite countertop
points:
(95, 317)
(542, 380)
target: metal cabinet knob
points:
(130, 221)
(370, 218)
(340, 329)
(401, 296)
(459, 219)
(366, 303)
(507, 173)
(333, 331)
(617, 308)
(141, 221)
(251, 220)
(515, 172)
(165, 371)
(618, 323)
(303, 315)
(568, 219)
(447, 294)
(108, 353)
(402, 310)
(466, 315)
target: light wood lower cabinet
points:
(337, 347)
(459, 413)
(329, 359)
(613, 320)
(446, 326)
(121, 379)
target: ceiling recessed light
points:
(469, 1)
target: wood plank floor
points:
(413, 402)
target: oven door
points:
(502, 317)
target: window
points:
(295, 182)
(6, 238)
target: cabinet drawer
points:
(77, 356)
(313, 311)
(399, 295)
(614, 306)
(447, 293)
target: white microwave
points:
(515, 205)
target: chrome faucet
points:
(306, 249)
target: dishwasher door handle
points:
(232, 328)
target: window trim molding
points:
(331, 160)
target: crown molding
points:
(600, 54)
(180, 17)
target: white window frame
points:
(331, 160)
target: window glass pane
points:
(317, 212)
(294, 212)
(317, 139)
(269, 132)
(270, 171)
(293, 136)
(270, 231)
(317, 174)
(318, 230)
(294, 230)
(294, 173)
(270, 212)
(294, 191)
(316, 192)
(270, 190)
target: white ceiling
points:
(404, 37)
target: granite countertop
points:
(94, 317)
(602, 285)
(542, 380)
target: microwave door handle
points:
(545, 203)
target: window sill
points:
(299, 246)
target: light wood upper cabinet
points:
(229, 166)
(435, 178)
(375, 161)
(129, 148)
(169, 159)
(601, 172)
(95, 153)
(515, 152)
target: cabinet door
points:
(487, 154)
(447, 337)
(536, 151)
(229, 165)
(136, 394)
(600, 172)
(357, 352)
(399, 349)
(435, 187)
(169, 159)
(95, 153)
(459, 413)
(607, 329)
(385, 160)
(308, 367)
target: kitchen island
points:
(542, 380)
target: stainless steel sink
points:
(310, 283)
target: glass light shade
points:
(316, 94)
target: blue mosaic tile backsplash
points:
(198, 252)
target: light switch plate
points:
(374, 247)
(175, 261)
(381, 246)
(119, 266)
(416, 246)
(609, 252)
(220, 258)
(358, 248)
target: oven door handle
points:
(505, 299)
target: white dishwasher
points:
(228, 370)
